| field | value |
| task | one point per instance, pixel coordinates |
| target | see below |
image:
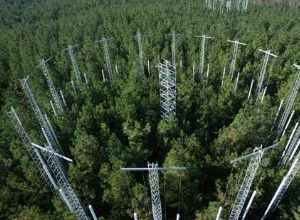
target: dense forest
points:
(107, 126)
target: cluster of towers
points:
(227, 5)
(50, 158)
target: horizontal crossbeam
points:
(158, 168)
(256, 152)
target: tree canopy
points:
(108, 126)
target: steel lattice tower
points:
(58, 180)
(202, 52)
(74, 62)
(167, 81)
(246, 184)
(282, 188)
(288, 107)
(38, 114)
(64, 186)
(107, 59)
(141, 58)
(173, 46)
(291, 146)
(35, 155)
(234, 56)
(57, 102)
(262, 73)
(154, 187)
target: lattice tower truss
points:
(58, 180)
(141, 58)
(262, 73)
(64, 186)
(167, 80)
(288, 106)
(234, 56)
(202, 52)
(173, 48)
(74, 62)
(108, 61)
(55, 96)
(27, 143)
(291, 146)
(155, 195)
(38, 114)
(246, 184)
(282, 188)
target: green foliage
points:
(106, 127)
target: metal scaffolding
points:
(27, 143)
(55, 96)
(107, 60)
(234, 56)
(282, 188)
(202, 52)
(246, 184)
(167, 81)
(74, 62)
(262, 73)
(288, 106)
